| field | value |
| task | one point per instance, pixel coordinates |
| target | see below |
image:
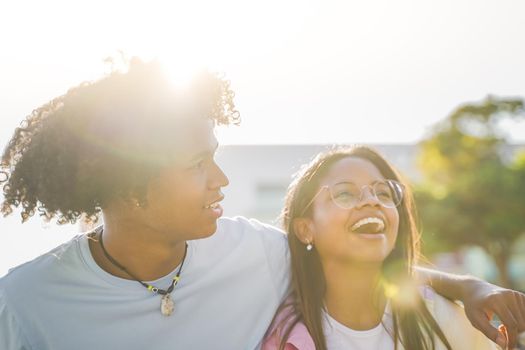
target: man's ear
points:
(303, 229)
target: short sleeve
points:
(11, 336)
(457, 328)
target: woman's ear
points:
(303, 229)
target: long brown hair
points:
(413, 326)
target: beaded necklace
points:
(166, 304)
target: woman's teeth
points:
(369, 225)
(212, 206)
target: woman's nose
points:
(367, 197)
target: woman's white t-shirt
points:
(450, 317)
(339, 336)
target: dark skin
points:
(148, 260)
(149, 241)
(482, 301)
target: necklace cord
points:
(146, 285)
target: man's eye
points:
(198, 165)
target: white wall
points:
(250, 168)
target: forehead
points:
(352, 169)
(194, 139)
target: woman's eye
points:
(384, 194)
(344, 195)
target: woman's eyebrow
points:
(351, 182)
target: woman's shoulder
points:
(298, 339)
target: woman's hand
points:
(482, 300)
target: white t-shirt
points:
(231, 285)
(340, 337)
(450, 317)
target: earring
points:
(309, 246)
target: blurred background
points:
(438, 87)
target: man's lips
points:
(214, 208)
(215, 204)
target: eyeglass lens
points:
(348, 194)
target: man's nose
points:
(218, 178)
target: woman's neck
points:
(139, 248)
(354, 294)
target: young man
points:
(163, 272)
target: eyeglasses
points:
(346, 195)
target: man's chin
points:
(207, 231)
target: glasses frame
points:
(391, 183)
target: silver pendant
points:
(166, 305)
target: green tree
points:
(474, 187)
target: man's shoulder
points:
(32, 272)
(242, 224)
(240, 228)
(249, 239)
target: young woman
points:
(163, 271)
(353, 243)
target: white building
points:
(260, 174)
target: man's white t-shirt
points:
(231, 285)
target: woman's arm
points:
(481, 300)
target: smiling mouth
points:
(369, 225)
(212, 206)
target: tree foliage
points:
(474, 188)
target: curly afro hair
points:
(103, 140)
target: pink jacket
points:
(451, 318)
(299, 338)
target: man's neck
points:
(142, 250)
(354, 296)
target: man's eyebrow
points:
(209, 152)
